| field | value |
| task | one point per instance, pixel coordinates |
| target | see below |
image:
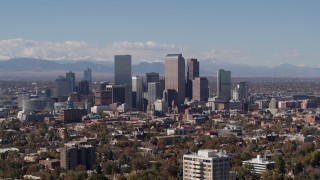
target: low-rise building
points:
(70, 115)
(50, 163)
(259, 164)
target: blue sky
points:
(249, 32)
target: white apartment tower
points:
(206, 165)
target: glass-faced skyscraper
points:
(62, 87)
(175, 78)
(152, 77)
(224, 84)
(70, 76)
(87, 76)
(240, 92)
(122, 75)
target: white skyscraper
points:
(122, 75)
(224, 84)
(154, 92)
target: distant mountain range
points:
(23, 66)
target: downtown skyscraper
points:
(224, 84)
(175, 78)
(87, 76)
(137, 92)
(200, 89)
(70, 76)
(123, 76)
(240, 92)
(192, 73)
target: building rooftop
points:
(258, 160)
(209, 153)
(173, 55)
(4, 150)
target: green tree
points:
(138, 164)
(315, 158)
(72, 175)
(108, 167)
(173, 170)
(246, 172)
(279, 165)
(298, 168)
(146, 175)
(97, 177)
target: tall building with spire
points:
(87, 74)
(175, 78)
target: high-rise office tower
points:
(137, 91)
(70, 76)
(102, 98)
(62, 87)
(175, 78)
(224, 84)
(118, 93)
(84, 87)
(87, 76)
(240, 92)
(152, 77)
(243, 90)
(192, 73)
(154, 92)
(102, 86)
(122, 75)
(200, 88)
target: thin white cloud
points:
(141, 51)
(229, 55)
(293, 53)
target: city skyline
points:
(159, 89)
(260, 33)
